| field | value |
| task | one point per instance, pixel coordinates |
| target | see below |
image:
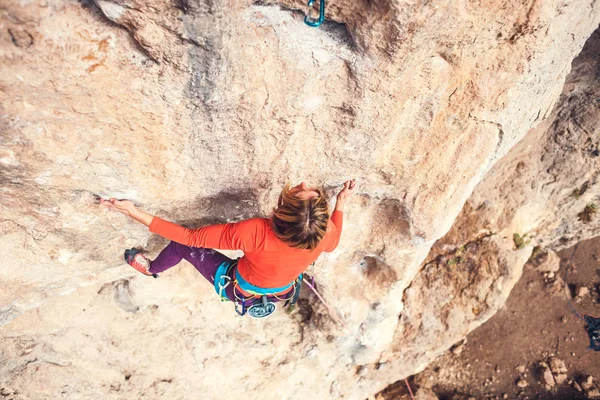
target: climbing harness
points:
(592, 323)
(314, 22)
(258, 304)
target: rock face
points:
(545, 192)
(200, 112)
(537, 195)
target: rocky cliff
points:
(200, 112)
(539, 198)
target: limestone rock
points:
(589, 387)
(539, 188)
(559, 369)
(425, 394)
(461, 396)
(548, 262)
(586, 382)
(581, 292)
(201, 111)
(546, 374)
(458, 348)
(530, 192)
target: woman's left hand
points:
(348, 190)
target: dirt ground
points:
(501, 359)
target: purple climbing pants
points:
(206, 261)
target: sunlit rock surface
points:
(200, 112)
(544, 194)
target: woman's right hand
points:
(123, 206)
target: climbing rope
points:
(409, 391)
(331, 311)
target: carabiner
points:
(222, 287)
(310, 21)
(243, 312)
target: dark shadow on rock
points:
(377, 272)
(224, 207)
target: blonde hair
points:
(301, 223)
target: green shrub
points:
(588, 213)
(520, 241)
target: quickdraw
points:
(315, 22)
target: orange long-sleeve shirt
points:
(268, 262)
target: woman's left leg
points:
(168, 257)
(206, 261)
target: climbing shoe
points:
(138, 261)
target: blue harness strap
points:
(250, 288)
(222, 279)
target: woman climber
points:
(276, 250)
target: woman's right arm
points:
(245, 235)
